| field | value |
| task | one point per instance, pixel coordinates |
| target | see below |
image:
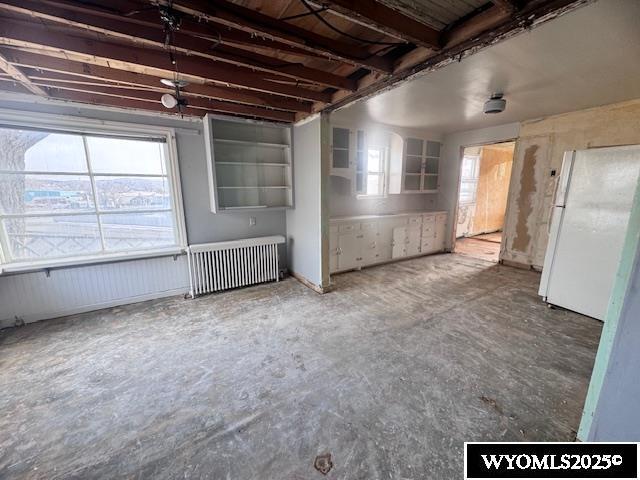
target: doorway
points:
(482, 200)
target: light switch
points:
(252, 221)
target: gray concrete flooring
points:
(390, 374)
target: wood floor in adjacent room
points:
(389, 374)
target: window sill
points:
(69, 262)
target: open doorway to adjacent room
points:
(482, 200)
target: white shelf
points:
(244, 207)
(253, 187)
(266, 164)
(251, 144)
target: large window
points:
(65, 195)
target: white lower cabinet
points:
(360, 241)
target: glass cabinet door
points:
(340, 148)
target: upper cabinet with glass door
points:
(420, 166)
(342, 152)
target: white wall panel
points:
(29, 297)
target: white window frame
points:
(89, 126)
(384, 150)
(473, 180)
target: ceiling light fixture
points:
(172, 101)
(496, 104)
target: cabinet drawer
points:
(415, 221)
(441, 217)
(348, 227)
(369, 227)
(333, 228)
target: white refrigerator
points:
(591, 210)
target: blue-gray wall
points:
(202, 227)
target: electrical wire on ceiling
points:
(342, 32)
(305, 14)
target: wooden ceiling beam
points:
(120, 27)
(134, 94)
(16, 74)
(509, 6)
(209, 30)
(131, 58)
(60, 69)
(476, 25)
(239, 17)
(379, 17)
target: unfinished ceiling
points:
(584, 59)
(276, 60)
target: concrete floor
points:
(390, 374)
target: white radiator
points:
(224, 265)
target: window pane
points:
(117, 155)
(467, 191)
(431, 182)
(360, 182)
(412, 182)
(413, 164)
(433, 149)
(116, 193)
(130, 231)
(414, 146)
(22, 193)
(51, 237)
(469, 169)
(374, 184)
(29, 150)
(340, 158)
(340, 138)
(431, 165)
(374, 158)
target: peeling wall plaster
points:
(539, 150)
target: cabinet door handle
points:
(360, 236)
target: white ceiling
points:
(583, 59)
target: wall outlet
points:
(252, 221)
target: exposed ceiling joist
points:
(16, 74)
(506, 5)
(118, 102)
(60, 69)
(195, 27)
(114, 26)
(141, 60)
(202, 104)
(248, 20)
(377, 16)
(482, 22)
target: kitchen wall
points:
(539, 152)
(343, 203)
(451, 159)
(97, 282)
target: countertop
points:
(384, 215)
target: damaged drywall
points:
(537, 163)
(524, 203)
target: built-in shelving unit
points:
(249, 164)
